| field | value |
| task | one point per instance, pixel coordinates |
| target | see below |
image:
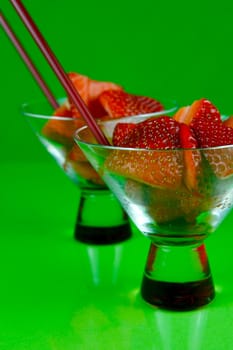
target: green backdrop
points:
(49, 297)
(173, 49)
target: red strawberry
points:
(96, 88)
(212, 135)
(120, 104)
(62, 111)
(62, 130)
(76, 160)
(90, 90)
(192, 158)
(121, 131)
(187, 139)
(205, 121)
(161, 168)
(199, 109)
(154, 133)
(211, 132)
(81, 84)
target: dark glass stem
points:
(101, 219)
(177, 277)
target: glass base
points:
(101, 219)
(177, 296)
(177, 277)
(102, 235)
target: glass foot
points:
(177, 278)
(101, 219)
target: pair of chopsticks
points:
(54, 64)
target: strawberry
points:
(161, 169)
(212, 135)
(81, 84)
(90, 90)
(83, 170)
(211, 132)
(187, 139)
(63, 111)
(205, 120)
(192, 158)
(120, 132)
(154, 133)
(118, 103)
(96, 88)
(62, 130)
(76, 155)
(199, 109)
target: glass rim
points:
(27, 106)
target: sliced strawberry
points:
(81, 84)
(76, 160)
(84, 170)
(76, 155)
(162, 168)
(208, 128)
(187, 139)
(120, 104)
(212, 134)
(205, 120)
(154, 133)
(90, 90)
(96, 88)
(202, 108)
(62, 130)
(63, 111)
(121, 131)
(192, 158)
(181, 115)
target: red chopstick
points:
(59, 71)
(35, 73)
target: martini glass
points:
(177, 220)
(100, 217)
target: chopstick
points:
(59, 71)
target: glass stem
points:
(101, 219)
(177, 277)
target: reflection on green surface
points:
(58, 294)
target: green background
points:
(58, 294)
(173, 49)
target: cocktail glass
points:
(100, 217)
(175, 218)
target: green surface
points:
(56, 293)
(59, 294)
